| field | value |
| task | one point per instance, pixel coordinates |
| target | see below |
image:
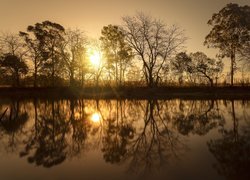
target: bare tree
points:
(12, 44)
(154, 43)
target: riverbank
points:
(129, 92)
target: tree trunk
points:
(53, 67)
(97, 81)
(71, 79)
(120, 74)
(216, 81)
(35, 76)
(82, 77)
(232, 66)
(53, 75)
(211, 82)
(116, 73)
(150, 79)
(17, 78)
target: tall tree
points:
(154, 43)
(116, 50)
(230, 32)
(14, 66)
(50, 37)
(73, 53)
(34, 54)
(98, 67)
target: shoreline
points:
(128, 92)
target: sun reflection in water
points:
(95, 117)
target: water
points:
(124, 139)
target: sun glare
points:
(95, 117)
(95, 58)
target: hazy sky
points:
(92, 15)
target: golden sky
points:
(92, 15)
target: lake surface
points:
(124, 139)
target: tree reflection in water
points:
(49, 143)
(145, 135)
(12, 125)
(156, 141)
(233, 149)
(60, 132)
(198, 117)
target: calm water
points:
(125, 139)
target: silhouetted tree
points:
(230, 32)
(182, 65)
(50, 37)
(14, 66)
(198, 65)
(116, 50)
(206, 67)
(12, 44)
(154, 44)
(97, 69)
(34, 53)
(73, 53)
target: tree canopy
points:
(116, 50)
(14, 66)
(230, 32)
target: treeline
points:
(143, 50)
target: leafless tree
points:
(153, 43)
(12, 44)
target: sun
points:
(95, 58)
(95, 117)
